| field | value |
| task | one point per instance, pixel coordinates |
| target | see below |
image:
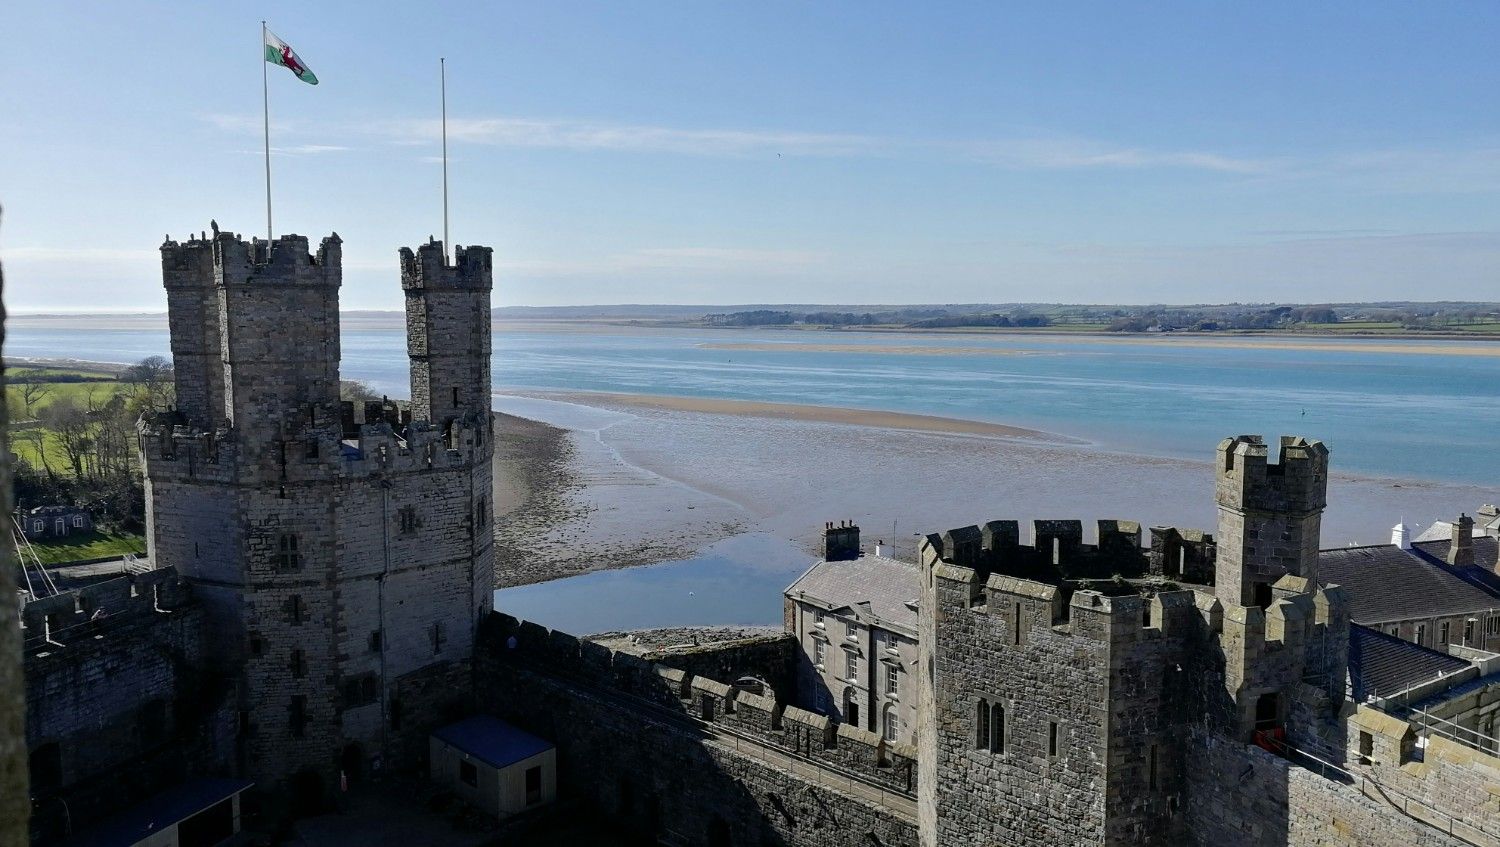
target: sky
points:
(766, 152)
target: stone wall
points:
(1452, 786)
(1240, 794)
(115, 682)
(1045, 783)
(675, 754)
(772, 658)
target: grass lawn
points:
(78, 392)
(88, 545)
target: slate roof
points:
(1386, 583)
(1443, 530)
(1381, 665)
(886, 584)
(492, 741)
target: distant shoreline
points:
(368, 318)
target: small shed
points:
(198, 813)
(494, 766)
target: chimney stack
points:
(1401, 536)
(840, 542)
(1461, 549)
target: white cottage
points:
(494, 766)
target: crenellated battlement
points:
(1295, 482)
(1270, 514)
(235, 261)
(1058, 551)
(429, 269)
(81, 615)
(505, 640)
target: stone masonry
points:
(1060, 708)
(341, 555)
(1270, 515)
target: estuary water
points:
(1422, 410)
(1411, 425)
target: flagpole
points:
(265, 102)
(443, 77)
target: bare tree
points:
(33, 392)
(357, 391)
(73, 432)
(151, 379)
(36, 436)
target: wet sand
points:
(819, 414)
(783, 475)
(897, 349)
(566, 505)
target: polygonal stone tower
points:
(1270, 515)
(343, 555)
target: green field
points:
(79, 392)
(88, 545)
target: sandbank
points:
(897, 349)
(819, 414)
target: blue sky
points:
(772, 152)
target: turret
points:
(1270, 515)
(187, 271)
(448, 333)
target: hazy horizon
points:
(775, 152)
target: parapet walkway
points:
(822, 774)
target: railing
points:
(1407, 805)
(1429, 724)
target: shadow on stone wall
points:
(644, 744)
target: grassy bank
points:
(82, 546)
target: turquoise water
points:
(1390, 414)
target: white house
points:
(494, 766)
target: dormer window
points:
(851, 630)
(818, 619)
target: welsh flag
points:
(279, 52)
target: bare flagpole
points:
(443, 76)
(265, 102)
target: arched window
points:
(982, 726)
(997, 728)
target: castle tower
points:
(342, 567)
(448, 332)
(1270, 515)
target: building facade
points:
(342, 555)
(1441, 593)
(855, 620)
(46, 523)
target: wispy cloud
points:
(1399, 171)
(1020, 153)
(586, 135)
